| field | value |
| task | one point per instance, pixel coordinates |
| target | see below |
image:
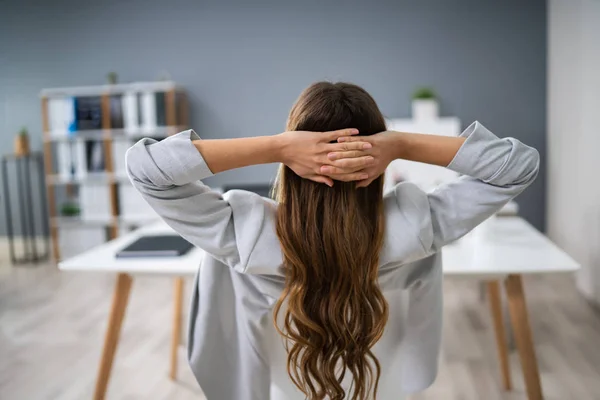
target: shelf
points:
(104, 193)
(93, 178)
(79, 222)
(114, 134)
(99, 90)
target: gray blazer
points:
(233, 348)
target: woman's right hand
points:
(384, 150)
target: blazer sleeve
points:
(169, 176)
(493, 172)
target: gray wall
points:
(244, 63)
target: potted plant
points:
(22, 143)
(163, 76)
(112, 78)
(424, 104)
(69, 209)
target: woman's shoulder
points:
(254, 221)
(406, 199)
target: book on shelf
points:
(78, 158)
(131, 114)
(153, 111)
(71, 159)
(88, 113)
(94, 155)
(94, 202)
(116, 112)
(61, 116)
(136, 112)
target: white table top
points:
(501, 246)
(102, 258)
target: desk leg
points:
(176, 338)
(493, 291)
(520, 321)
(111, 339)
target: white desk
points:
(102, 258)
(508, 245)
(506, 249)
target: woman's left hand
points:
(306, 152)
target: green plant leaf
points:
(112, 78)
(69, 210)
(424, 93)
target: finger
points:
(338, 155)
(354, 164)
(348, 138)
(330, 170)
(322, 179)
(354, 176)
(365, 182)
(334, 135)
(347, 146)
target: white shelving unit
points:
(114, 134)
(125, 221)
(87, 131)
(94, 178)
(424, 175)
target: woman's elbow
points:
(523, 166)
(132, 164)
(139, 165)
(533, 167)
(142, 170)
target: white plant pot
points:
(425, 110)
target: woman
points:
(333, 291)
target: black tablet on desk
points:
(156, 246)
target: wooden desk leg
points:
(520, 321)
(111, 339)
(493, 290)
(176, 338)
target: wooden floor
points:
(52, 326)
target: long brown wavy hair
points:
(333, 309)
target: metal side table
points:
(30, 231)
